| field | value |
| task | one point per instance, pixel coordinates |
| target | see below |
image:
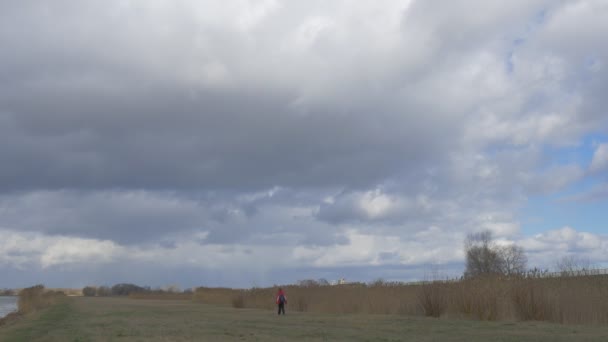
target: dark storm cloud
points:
(169, 140)
(73, 117)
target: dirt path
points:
(122, 319)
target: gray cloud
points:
(93, 126)
(311, 126)
(121, 216)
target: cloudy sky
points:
(243, 143)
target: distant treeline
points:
(126, 289)
(8, 292)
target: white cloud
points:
(546, 248)
(62, 251)
(22, 250)
(600, 158)
(368, 249)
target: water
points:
(7, 305)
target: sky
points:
(249, 143)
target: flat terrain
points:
(122, 319)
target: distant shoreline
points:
(4, 316)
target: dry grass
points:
(433, 299)
(34, 298)
(214, 295)
(578, 300)
(238, 301)
(359, 298)
(163, 295)
(568, 300)
(67, 291)
(531, 301)
(482, 298)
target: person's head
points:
(280, 289)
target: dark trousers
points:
(281, 308)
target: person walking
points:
(281, 301)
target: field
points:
(124, 319)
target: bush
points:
(104, 291)
(126, 289)
(89, 291)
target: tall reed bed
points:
(357, 298)
(36, 297)
(161, 295)
(568, 300)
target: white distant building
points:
(340, 281)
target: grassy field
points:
(123, 319)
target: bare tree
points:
(572, 265)
(514, 260)
(484, 257)
(481, 255)
(323, 282)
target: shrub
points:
(125, 289)
(89, 291)
(104, 291)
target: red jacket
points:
(279, 296)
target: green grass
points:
(123, 319)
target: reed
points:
(34, 298)
(567, 300)
(161, 295)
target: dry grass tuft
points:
(433, 299)
(238, 301)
